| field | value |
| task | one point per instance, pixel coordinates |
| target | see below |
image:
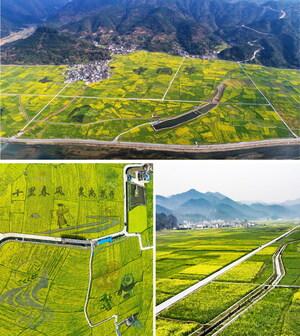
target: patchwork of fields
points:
(49, 285)
(281, 307)
(34, 196)
(147, 87)
(197, 254)
(56, 280)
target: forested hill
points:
(48, 46)
(15, 14)
(194, 26)
(197, 27)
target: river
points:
(83, 152)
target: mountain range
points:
(197, 206)
(197, 27)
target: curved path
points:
(256, 31)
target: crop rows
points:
(211, 301)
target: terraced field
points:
(71, 260)
(151, 87)
(212, 250)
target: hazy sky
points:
(267, 181)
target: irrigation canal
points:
(170, 123)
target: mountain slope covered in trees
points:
(197, 27)
(48, 46)
(15, 14)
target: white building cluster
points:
(216, 224)
(88, 73)
(121, 49)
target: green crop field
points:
(39, 80)
(49, 286)
(197, 254)
(224, 124)
(198, 79)
(169, 328)
(282, 89)
(292, 265)
(185, 257)
(54, 279)
(276, 314)
(202, 306)
(281, 307)
(31, 195)
(150, 83)
(273, 321)
(143, 88)
(166, 288)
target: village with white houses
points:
(94, 72)
(215, 224)
(88, 73)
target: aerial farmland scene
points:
(223, 270)
(183, 79)
(76, 249)
(153, 98)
